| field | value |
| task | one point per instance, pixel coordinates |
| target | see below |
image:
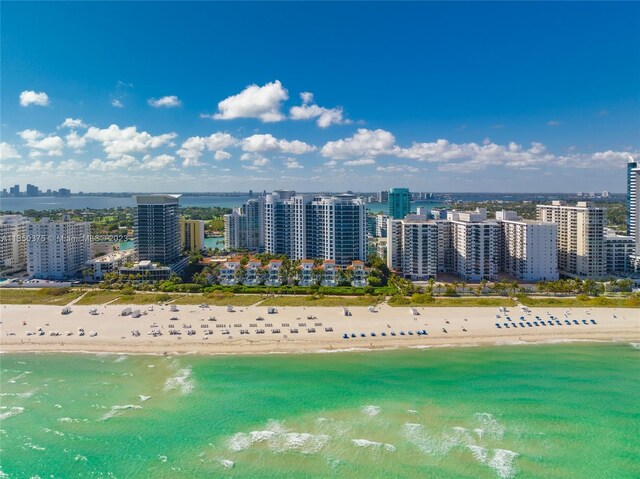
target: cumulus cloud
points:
(325, 116)
(37, 166)
(292, 163)
(75, 141)
(70, 165)
(124, 162)
(41, 145)
(165, 102)
(30, 97)
(8, 152)
(118, 141)
(261, 102)
(221, 155)
(72, 123)
(157, 163)
(261, 143)
(116, 103)
(363, 144)
(193, 147)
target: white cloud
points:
(124, 162)
(221, 155)
(36, 166)
(364, 143)
(193, 147)
(325, 116)
(71, 165)
(254, 102)
(30, 97)
(363, 162)
(8, 152)
(75, 141)
(292, 163)
(260, 143)
(165, 102)
(116, 103)
(158, 162)
(118, 141)
(553, 123)
(41, 145)
(72, 123)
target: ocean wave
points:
(144, 398)
(227, 463)
(118, 410)
(12, 411)
(120, 358)
(80, 457)
(373, 444)
(20, 395)
(278, 439)
(489, 425)
(181, 381)
(635, 345)
(33, 446)
(19, 376)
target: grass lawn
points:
(460, 303)
(323, 301)
(98, 297)
(54, 296)
(598, 302)
(220, 299)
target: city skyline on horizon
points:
(440, 103)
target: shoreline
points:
(250, 330)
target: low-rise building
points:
(144, 271)
(253, 273)
(228, 276)
(618, 250)
(305, 273)
(109, 263)
(274, 273)
(359, 273)
(329, 273)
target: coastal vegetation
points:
(52, 296)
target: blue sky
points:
(319, 96)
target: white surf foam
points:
(144, 398)
(80, 457)
(227, 463)
(479, 453)
(371, 411)
(489, 425)
(118, 410)
(503, 463)
(277, 438)
(19, 376)
(12, 411)
(635, 345)
(373, 444)
(419, 436)
(181, 381)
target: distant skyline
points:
(195, 97)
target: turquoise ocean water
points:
(551, 411)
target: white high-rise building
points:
(244, 227)
(412, 248)
(580, 238)
(475, 245)
(57, 249)
(320, 227)
(529, 248)
(13, 244)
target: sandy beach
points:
(214, 330)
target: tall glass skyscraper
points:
(399, 203)
(157, 226)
